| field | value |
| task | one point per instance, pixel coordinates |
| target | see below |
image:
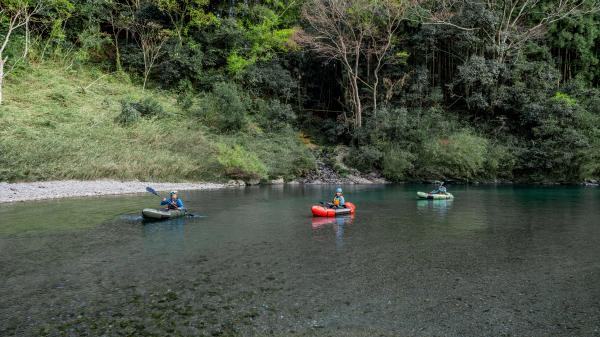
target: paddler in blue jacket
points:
(338, 199)
(173, 202)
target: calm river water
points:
(496, 261)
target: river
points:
(494, 261)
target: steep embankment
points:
(59, 123)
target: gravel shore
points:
(12, 192)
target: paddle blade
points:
(151, 190)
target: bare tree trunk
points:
(150, 38)
(357, 102)
(1, 78)
(116, 33)
(355, 79)
(375, 84)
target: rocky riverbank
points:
(28, 191)
(332, 170)
(329, 169)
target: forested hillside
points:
(200, 89)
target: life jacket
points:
(336, 201)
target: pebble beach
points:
(14, 192)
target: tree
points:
(120, 16)
(151, 37)
(354, 32)
(516, 22)
(15, 14)
(574, 42)
(387, 17)
(184, 14)
(265, 34)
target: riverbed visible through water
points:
(495, 261)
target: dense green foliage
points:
(474, 97)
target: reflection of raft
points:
(151, 213)
(318, 210)
(319, 222)
(423, 195)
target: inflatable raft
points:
(423, 195)
(320, 210)
(162, 214)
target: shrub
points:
(591, 167)
(132, 110)
(224, 108)
(561, 97)
(500, 161)
(185, 95)
(397, 164)
(269, 80)
(181, 63)
(477, 80)
(149, 107)
(274, 115)
(240, 164)
(365, 158)
(460, 156)
(562, 142)
(129, 114)
(283, 153)
(302, 164)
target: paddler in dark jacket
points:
(173, 202)
(441, 189)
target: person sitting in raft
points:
(173, 202)
(441, 189)
(338, 199)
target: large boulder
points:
(278, 181)
(236, 183)
(252, 182)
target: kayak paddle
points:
(151, 190)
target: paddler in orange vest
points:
(338, 199)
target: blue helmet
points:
(338, 190)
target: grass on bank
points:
(53, 128)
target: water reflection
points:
(439, 207)
(339, 223)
